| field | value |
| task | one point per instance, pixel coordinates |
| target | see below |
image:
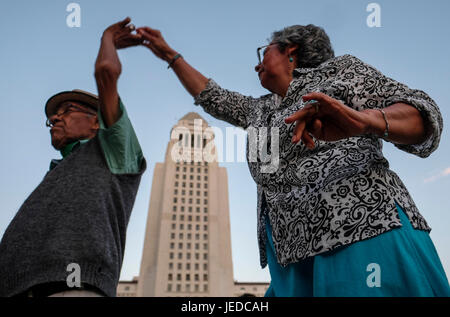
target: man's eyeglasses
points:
(258, 51)
(70, 108)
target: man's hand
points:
(121, 34)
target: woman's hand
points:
(155, 42)
(327, 119)
(121, 34)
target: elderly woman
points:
(333, 219)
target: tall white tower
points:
(187, 247)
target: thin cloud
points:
(443, 173)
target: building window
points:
(190, 209)
(205, 256)
(197, 227)
(198, 209)
(178, 287)
(197, 218)
(178, 169)
(205, 201)
(205, 287)
(183, 192)
(205, 218)
(184, 184)
(197, 256)
(196, 287)
(181, 226)
(205, 246)
(205, 277)
(188, 288)
(180, 236)
(173, 226)
(171, 255)
(191, 185)
(174, 208)
(189, 218)
(188, 266)
(176, 184)
(170, 276)
(196, 266)
(170, 266)
(199, 170)
(205, 227)
(197, 246)
(188, 277)
(172, 245)
(175, 199)
(198, 185)
(179, 266)
(190, 193)
(198, 177)
(174, 217)
(180, 246)
(205, 210)
(184, 168)
(182, 208)
(205, 266)
(196, 277)
(177, 176)
(169, 287)
(205, 185)
(172, 236)
(188, 256)
(205, 193)
(189, 227)
(206, 178)
(205, 237)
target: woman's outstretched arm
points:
(221, 103)
(192, 79)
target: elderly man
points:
(68, 237)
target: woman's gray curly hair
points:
(314, 46)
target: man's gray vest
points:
(78, 214)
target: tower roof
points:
(191, 116)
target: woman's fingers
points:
(298, 131)
(305, 112)
(307, 139)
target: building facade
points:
(187, 246)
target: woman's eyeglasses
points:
(258, 51)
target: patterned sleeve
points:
(370, 89)
(226, 105)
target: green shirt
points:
(119, 143)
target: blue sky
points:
(41, 56)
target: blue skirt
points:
(400, 262)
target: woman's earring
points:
(291, 59)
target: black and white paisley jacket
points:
(339, 192)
